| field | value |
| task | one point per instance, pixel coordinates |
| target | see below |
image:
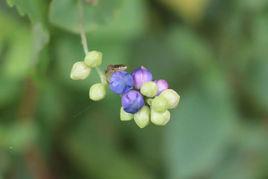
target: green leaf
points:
(66, 14)
(24, 46)
(40, 37)
(33, 8)
(19, 57)
(200, 128)
(128, 24)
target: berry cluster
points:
(143, 99)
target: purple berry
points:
(132, 101)
(121, 82)
(140, 76)
(162, 85)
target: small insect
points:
(114, 68)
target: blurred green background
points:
(213, 52)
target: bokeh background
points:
(213, 52)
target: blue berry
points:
(121, 82)
(132, 101)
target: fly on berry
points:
(114, 68)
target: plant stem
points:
(101, 75)
(84, 38)
(82, 26)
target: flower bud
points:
(93, 59)
(140, 76)
(162, 85)
(121, 82)
(132, 101)
(160, 119)
(172, 98)
(80, 71)
(124, 116)
(142, 117)
(159, 104)
(149, 89)
(97, 92)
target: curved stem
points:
(84, 38)
(82, 27)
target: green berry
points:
(124, 116)
(97, 91)
(142, 117)
(159, 104)
(80, 71)
(172, 98)
(149, 89)
(93, 59)
(160, 119)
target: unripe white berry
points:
(149, 89)
(142, 117)
(124, 116)
(80, 71)
(93, 59)
(159, 104)
(172, 98)
(160, 119)
(97, 91)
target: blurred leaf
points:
(9, 91)
(10, 87)
(33, 8)
(4, 164)
(91, 147)
(191, 10)
(40, 37)
(257, 72)
(249, 159)
(260, 38)
(200, 128)
(18, 59)
(253, 5)
(257, 82)
(50, 105)
(23, 47)
(17, 137)
(7, 26)
(129, 23)
(65, 14)
(190, 48)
